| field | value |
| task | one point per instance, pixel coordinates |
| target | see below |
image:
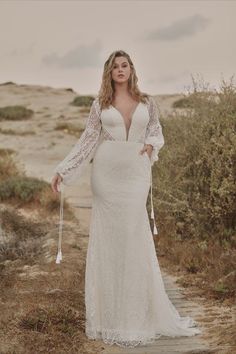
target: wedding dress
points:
(125, 297)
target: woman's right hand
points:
(57, 179)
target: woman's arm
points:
(73, 164)
(154, 134)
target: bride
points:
(125, 298)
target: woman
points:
(125, 298)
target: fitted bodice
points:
(109, 124)
(114, 128)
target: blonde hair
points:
(107, 90)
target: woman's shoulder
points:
(152, 103)
(151, 99)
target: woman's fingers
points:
(55, 181)
(142, 150)
(147, 148)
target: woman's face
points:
(121, 70)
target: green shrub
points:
(21, 188)
(197, 170)
(15, 113)
(195, 188)
(83, 101)
(16, 187)
(184, 102)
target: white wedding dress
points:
(126, 302)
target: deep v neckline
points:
(131, 120)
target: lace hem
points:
(112, 337)
(129, 339)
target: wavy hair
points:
(107, 89)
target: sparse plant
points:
(195, 183)
(16, 112)
(70, 129)
(16, 132)
(20, 237)
(82, 101)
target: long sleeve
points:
(154, 134)
(74, 163)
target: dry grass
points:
(195, 189)
(6, 152)
(40, 312)
(7, 165)
(85, 110)
(48, 312)
(16, 132)
(70, 129)
(42, 304)
(195, 199)
(20, 237)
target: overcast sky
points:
(65, 43)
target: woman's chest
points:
(116, 126)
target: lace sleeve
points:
(154, 134)
(74, 163)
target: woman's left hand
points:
(148, 148)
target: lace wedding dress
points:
(125, 297)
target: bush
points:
(20, 236)
(83, 101)
(16, 187)
(21, 188)
(184, 102)
(195, 183)
(197, 171)
(7, 165)
(15, 113)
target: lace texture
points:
(125, 297)
(79, 157)
(126, 302)
(154, 135)
(81, 154)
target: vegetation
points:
(16, 132)
(21, 238)
(15, 113)
(81, 101)
(21, 188)
(19, 235)
(18, 189)
(195, 189)
(6, 152)
(70, 129)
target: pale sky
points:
(65, 43)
